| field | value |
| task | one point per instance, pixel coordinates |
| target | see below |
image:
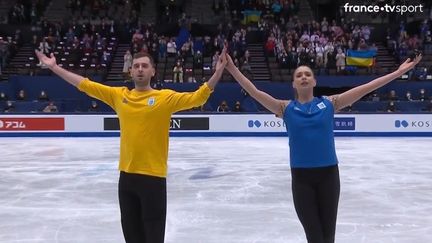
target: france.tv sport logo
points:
(402, 9)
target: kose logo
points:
(256, 123)
(252, 123)
(399, 123)
(419, 124)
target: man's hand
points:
(50, 62)
(222, 61)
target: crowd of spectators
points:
(24, 11)
(90, 40)
(320, 45)
(403, 44)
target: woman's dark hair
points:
(295, 91)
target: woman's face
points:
(303, 78)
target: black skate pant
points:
(143, 201)
(316, 196)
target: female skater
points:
(309, 123)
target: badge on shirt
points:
(151, 101)
(321, 105)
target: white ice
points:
(220, 190)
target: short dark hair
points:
(144, 54)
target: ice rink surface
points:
(220, 190)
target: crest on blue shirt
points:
(321, 105)
(151, 101)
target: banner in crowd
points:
(360, 58)
(251, 16)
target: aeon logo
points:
(401, 123)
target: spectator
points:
(4, 52)
(391, 107)
(9, 107)
(171, 48)
(137, 37)
(178, 72)
(270, 45)
(198, 60)
(223, 107)
(422, 95)
(246, 68)
(215, 60)
(340, 61)
(3, 96)
(94, 107)
(319, 55)
(162, 47)
(50, 108)
(44, 46)
(127, 58)
(43, 96)
(105, 58)
(408, 96)
(237, 107)
(21, 95)
(392, 96)
(375, 97)
(331, 59)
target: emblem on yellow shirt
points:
(124, 101)
(151, 101)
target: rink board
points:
(215, 125)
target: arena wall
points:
(214, 125)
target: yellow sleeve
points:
(187, 100)
(99, 91)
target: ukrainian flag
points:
(360, 58)
(251, 16)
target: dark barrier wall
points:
(58, 89)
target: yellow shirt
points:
(144, 118)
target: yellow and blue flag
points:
(360, 58)
(251, 16)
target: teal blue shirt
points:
(310, 131)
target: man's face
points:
(142, 71)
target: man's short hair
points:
(144, 54)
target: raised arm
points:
(274, 105)
(186, 100)
(51, 63)
(347, 98)
(220, 66)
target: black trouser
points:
(316, 196)
(143, 207)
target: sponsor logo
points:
(344, 123)
(265, 124)
(414, 124)
(340, 123)
(252, 123)
(32, 124)
(401, 123)
(176, 123)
